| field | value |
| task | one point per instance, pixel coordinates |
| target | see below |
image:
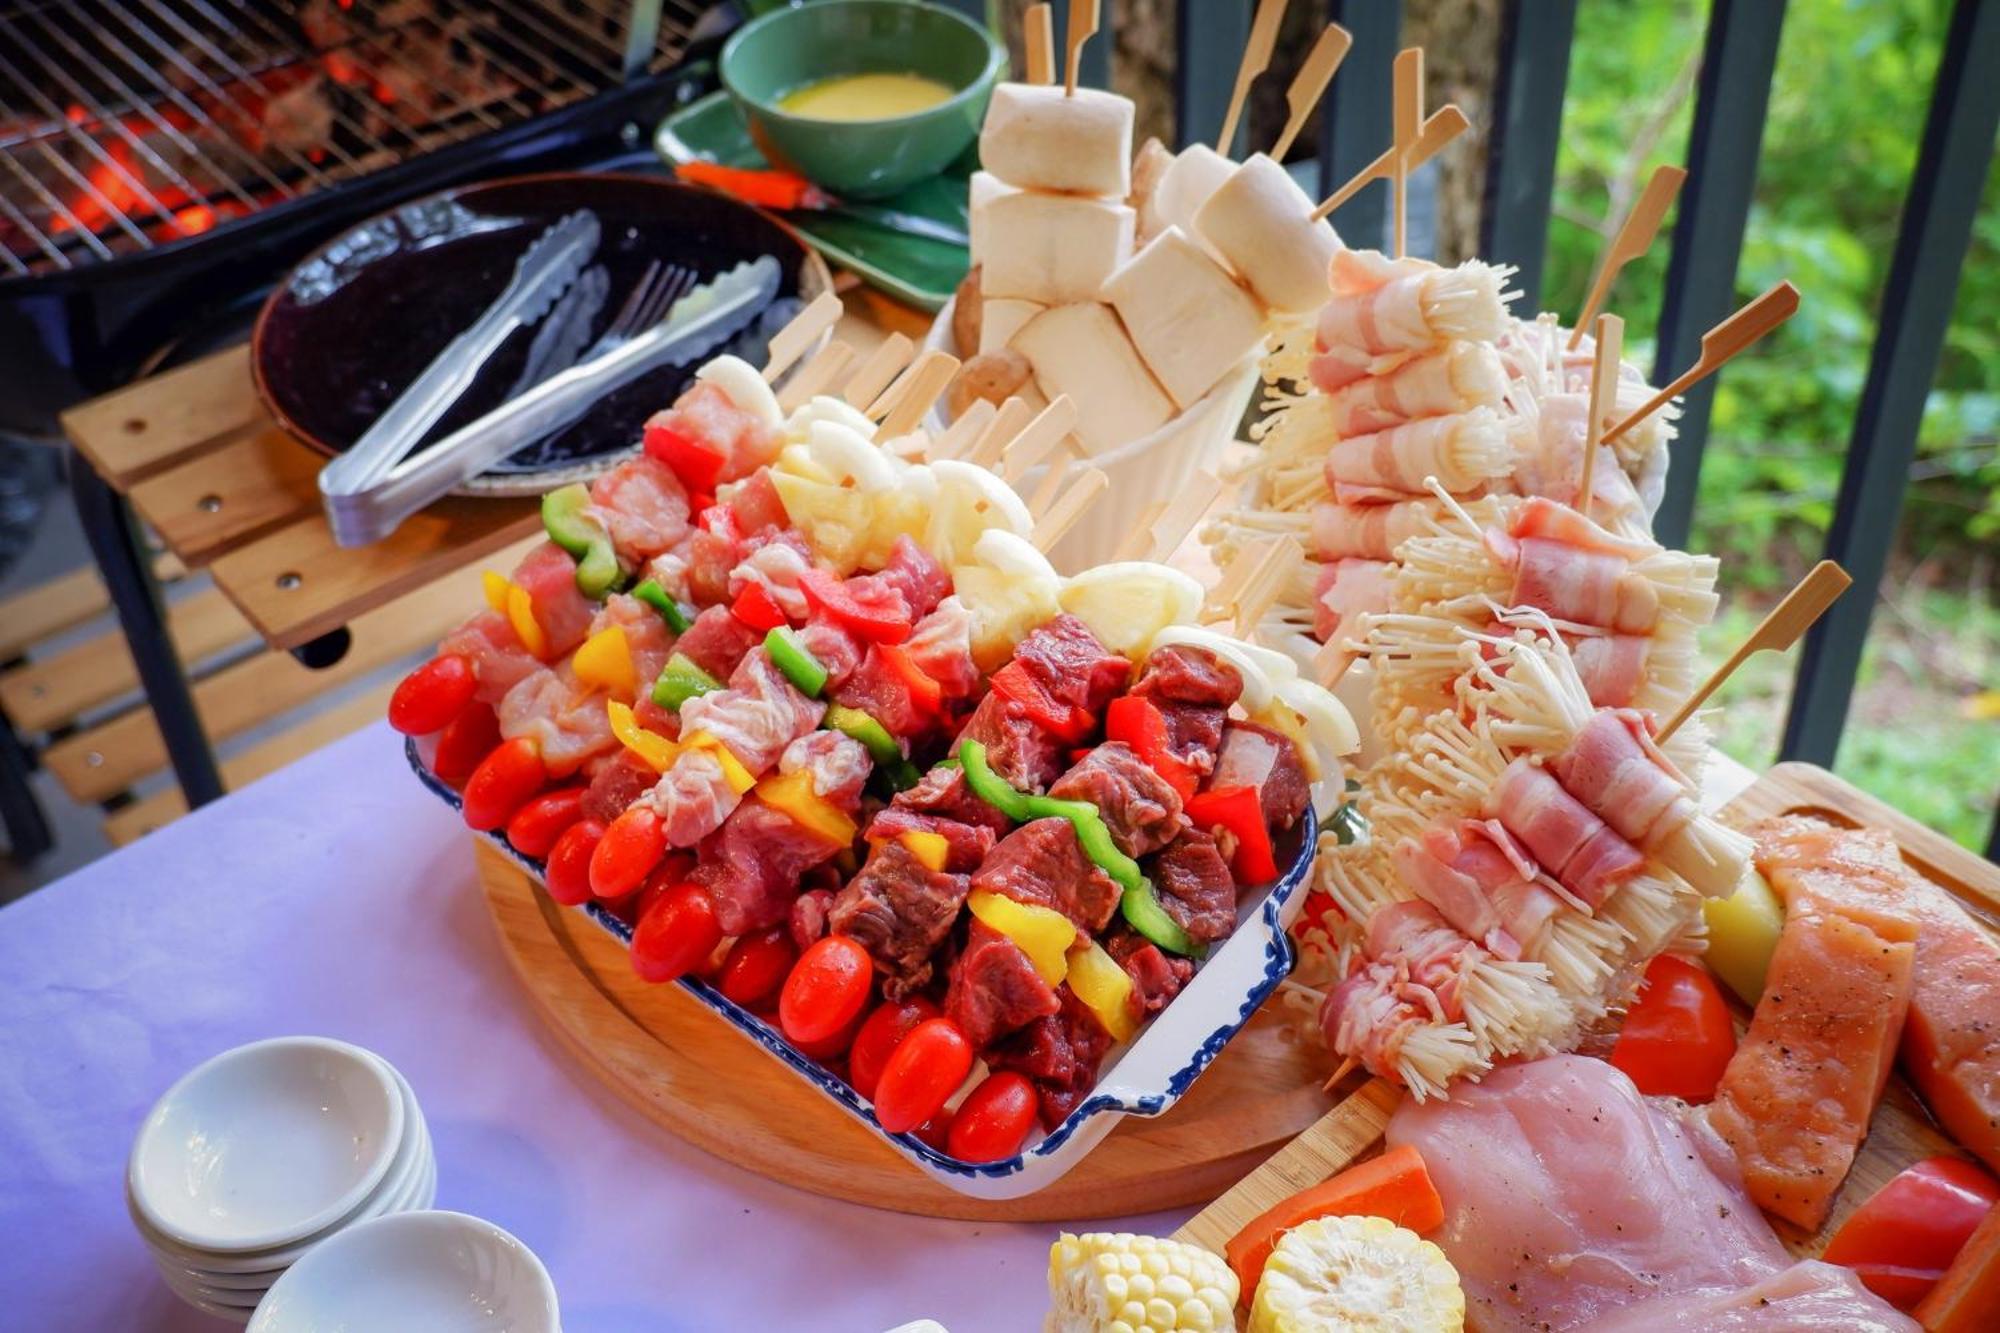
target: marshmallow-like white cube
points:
(983, 189)
(1037, 138)
(1261, 222)
(1052, 248)
(1000, 318)
(1196, 173)
(1082, 350)
(1189, 319)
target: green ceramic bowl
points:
(787, 49)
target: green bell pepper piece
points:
(790, 656)
(598, 572)
(874, 737)
(681, 680)
(652, 594)
(1139, 904)
(900, 774)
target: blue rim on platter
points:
(1276, 965)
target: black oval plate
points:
(361, 317)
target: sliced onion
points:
(744, 384)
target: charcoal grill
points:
(163, 161)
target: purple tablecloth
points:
(337, 897)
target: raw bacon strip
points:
(1344, 589)
(1369, 532)
(1589, 858)
(1461, 450)
(1612, 767)
(1463, 376)
(1541, 517)
(1426, 868)
(1416, 310)
(1547, 448)
(1613, 666)
(1577, 584)
(1355, 272)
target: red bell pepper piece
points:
(1237, 811)
(1677, 1037)
(927, 694)
(1065, 721)
(884, 619)
(1903, 1238)
(698, 466)
(754, 607)
(1139, 723)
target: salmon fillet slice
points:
(1798, 1094)
(1951, 1044)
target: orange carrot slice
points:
(1395, 1185)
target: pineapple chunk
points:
(1116, 1282)
(1742, 933)
(1127, 603)
(837, 520)
(1004, 608)
(1347, 1274)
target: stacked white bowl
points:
(265, 1151)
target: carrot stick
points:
(1967, 1298)
(1395, 1185)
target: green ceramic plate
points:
(914, 269)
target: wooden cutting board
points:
(701, 1080)
(1902, 1131)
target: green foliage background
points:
(1847, 110)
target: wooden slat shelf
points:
(52, 691)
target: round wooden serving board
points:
(698, 1078)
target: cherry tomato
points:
(926, 1067)
(756, 967)
(1677, 1039)
(676, 935)
(880, 1031)
(535, 826)
(830, 1049)
(993, 1122)
(827, 989)
(504, 782)
(1901, 1240)
(566, 872)
(630, 849)
(672, 871)
(432, 695)
(470, 737)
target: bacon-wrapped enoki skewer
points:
(1457, 378)
(1461, 452)
(1384, 308)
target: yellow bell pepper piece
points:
(521, 615)
(495, 586)
(1104, 987)
(656, 751)
(604, 662)
(1042, 933)
(930, 848)
(733, 772)
(792, 795)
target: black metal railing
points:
(1739, 55)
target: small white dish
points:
(437, 1271)
(413, 1186)
(266, 1144)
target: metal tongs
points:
(370, 509)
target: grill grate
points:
(129, 124)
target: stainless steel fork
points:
(646, 305)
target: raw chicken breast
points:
(1808, 1297)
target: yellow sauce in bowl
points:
(865, 97)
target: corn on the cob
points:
(1108, 1282)
(1348, 1274)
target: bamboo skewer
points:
(817, 375)
(1440, 128)
(886, 362)
(789, 343)
(1061, 459)
(1407, 115)
(1026, 446)
(967, 428)
(1309, 85)
(1083, 18)
(1227, 593)
(1719, 345)
(1777, 631)
(1603, 397)
(1063, 514)
(1262, 588)
(1012, 418)
(1039, 36)
(1182, 512)
(1634, 238)
(1140, 539)
(1256, 59)
(1330, 663)
(913, 393)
